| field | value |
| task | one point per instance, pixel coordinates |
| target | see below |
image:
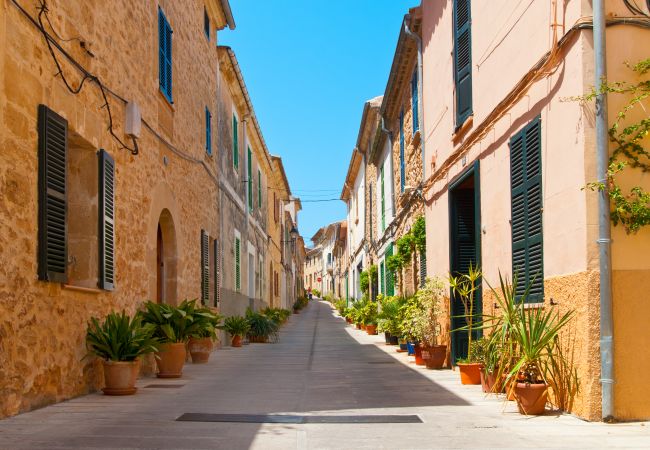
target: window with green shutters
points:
(237, 264)
(383, 200)
(208, 131)
(106, 221)
(164, 55)
(415, 102)
(259, 189)
(382, 278)
(526, 195)
(463, 59)
(235, 142)
(53, 196)
(250, 179)
(205, 268)
(402, 163)
(390, 276)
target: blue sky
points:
(309, 66)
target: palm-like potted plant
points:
(120, 341)
(412, 311)
(426, 323)
(202, 340)
(465, 286)
(237, 327)
(387, 319)
(173, 326)
(260, 327)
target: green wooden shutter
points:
(208, 131)
(423, 268)
(235, 142)
(526, 205)
(390, 276)
(463, 59)
(164, 55)
(237, 265)
(217, 273)
(402, 164)
(250, 179)
(383, 200)
(106, 221)
(52, 201)
(259, 189)
(205, 268)
(382, 278)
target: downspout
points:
(604, 227)
(418, 41)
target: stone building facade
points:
(313, 268)
(400, 113)
(65, 174)
(484, 204)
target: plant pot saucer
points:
(399, 350)
(169, 375)
(125, 391)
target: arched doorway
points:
(166, 259)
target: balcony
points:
(329, 267)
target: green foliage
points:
(478, 351)
(465, 286)
(364, 281)
(277, 315)
(120, 337)
(419, 234)
(300, 303)
(390, 317)
(259, 325)
(341, 305)
(630, 209)
(369, 313)
(524, 345)
(236, 325)
(410, 310)
(356, 310)
(206, 323)
(315, 292)
(176, 323)
(426, 321)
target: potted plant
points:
(465, 287)
(534, 334)
(411, 329)
(237, 327)
(120, 341)
(370, 317)
(426, 323)
(173, 326)
(387, 319)
(201, 342)
(260, 327)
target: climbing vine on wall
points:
(630, 209)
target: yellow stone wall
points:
(42, 325)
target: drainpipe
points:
(418, 41)
(604, 227)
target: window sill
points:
(538, 305)
(70, 287)
(462, 130)
(166, 100)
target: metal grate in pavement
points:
(297, 419)
(165, 386)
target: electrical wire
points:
(86, 75)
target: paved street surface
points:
(320, 367)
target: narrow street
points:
(320, 367)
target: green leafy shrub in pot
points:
(277, 315)
(260, 327)
(341, 305)
(201, 342)
(237, 327)
(120, 337)
(120, 341)
(173, 324)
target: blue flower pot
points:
(410, 346)
(403, 347)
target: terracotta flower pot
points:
(236, 341)
(363, 326)
(418, 355)
(170, 360)
(531, 398)
(434, 357)
(258, 339)
(296, 311)
(470, 373)
(484, 381)
(371, 329)
(120, 376)
(200, 349)
(358, 326)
